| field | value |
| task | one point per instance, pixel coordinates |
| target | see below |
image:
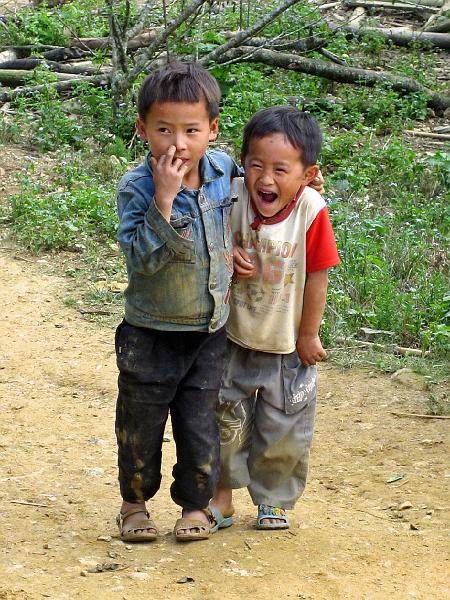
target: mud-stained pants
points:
(162, 371)
(266, 420)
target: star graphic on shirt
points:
(288, 278)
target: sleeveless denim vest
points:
(178, 273)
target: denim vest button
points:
(211, 247)
(213, 285)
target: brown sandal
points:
(198, 530)
(139, 531)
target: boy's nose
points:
(266, 177)
(180, 142)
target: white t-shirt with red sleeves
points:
(265, 311)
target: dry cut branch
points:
(61, 86)
(334, 72)
(440, 22)
(139, 41)
(420, 6)
(15, 77)
(397, 35)
(28, 64)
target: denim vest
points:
(178, 273)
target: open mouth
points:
(267, 197)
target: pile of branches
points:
(134, 48)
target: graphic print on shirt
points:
(269, 290)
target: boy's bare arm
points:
(309, 346)
(168, 174)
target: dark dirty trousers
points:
(162, 371)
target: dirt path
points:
(59, 493)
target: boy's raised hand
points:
(243, 266)
(318, 183)
(168, 173)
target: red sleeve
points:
(321, 250)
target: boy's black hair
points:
(180, 82)
(300, 128)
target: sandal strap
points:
(271, 511)
(133, 511)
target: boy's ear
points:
(311, 173)
(213, 129)
(140, 128)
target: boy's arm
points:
(309, 346)
(147, 240)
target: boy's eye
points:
(192, 130)
(163, 130)
(280, 170)
(255, 166)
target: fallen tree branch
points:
(51, 3)
(397, 35)
(440, 22)
(306, 44)
(140, 41)
(425, 5)
(28, 64)
(61, 86)
(418, 415)
(334, 72)
(56, 53)
(428, 134)
(25, 503)
(13, 78)
(385, 347)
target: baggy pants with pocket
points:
(266, 421)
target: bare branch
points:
(240, 37)
(342, 74)
(118, 41)
(144, 56)
(142, 18)
(60, 86)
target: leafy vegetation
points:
(389, 204)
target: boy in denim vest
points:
(174, 230)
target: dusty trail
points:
(59, 495)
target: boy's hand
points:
(310, 350)
(317, 183)
(243, 266)
(168, 173)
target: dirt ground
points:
(59, 494)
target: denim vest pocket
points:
(184, 228)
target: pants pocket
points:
(134, 346)
(299, 383)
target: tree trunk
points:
(139, 41)
(61, 86)
(29, 64)
(397, 35)
(336, 72)
(12, 78)
(416, 5)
